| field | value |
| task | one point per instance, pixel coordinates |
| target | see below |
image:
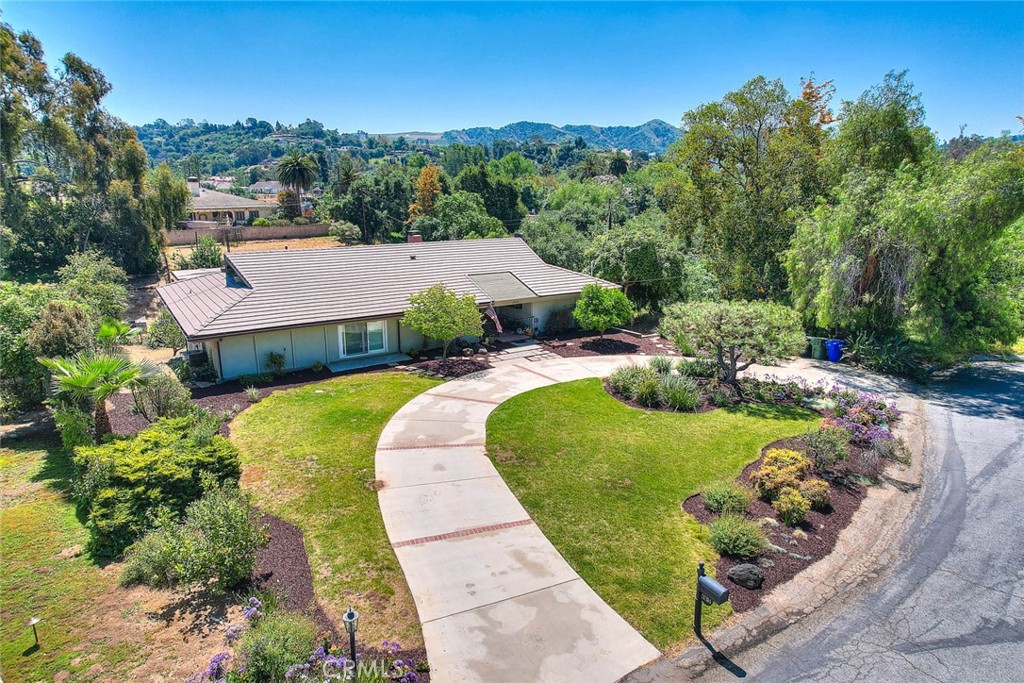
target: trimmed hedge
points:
(122, 486)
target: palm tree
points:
(345, 173)
(114, 333)
(297, 172)
(91, 377)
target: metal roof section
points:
(502, 286)
(298, 288)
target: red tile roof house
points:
(342, 306)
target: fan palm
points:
(95, 377)
(345, 173)
(297, 172)
(114, 333)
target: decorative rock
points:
(793, 542)
(798, 556)
(747, 575)
(61, 676)
(765, 562)
(802, 535)
(776, 549)
(767, 521)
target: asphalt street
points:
(951, 607)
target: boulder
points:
(747, 575)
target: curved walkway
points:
(496, 600)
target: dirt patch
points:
(454, 367)
(577, 344)
(793, 549)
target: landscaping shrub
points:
(726, 497)
(646, 389)
(769, 480)
(826, 446)
(274, 362)
(73, 424)
(164, 332)
(122, 484)
(215, 545)
(261, 222)
(892, 449)
(791, 506)
(255, 379)
(893, 355)
(865, 417)
(737, 537)
(679, 393)
(815, 491)
(559, 320)
(721, 398)
(623, 379)
(206, 253)
(784, 457)
(253, 394)
(163, 396)
(279, 641)
(661, 364)
(698, 367)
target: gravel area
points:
(576, 344)
(820, 531)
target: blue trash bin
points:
(835, 349)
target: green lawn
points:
(308, 457)
(36, 523)
(604, 482)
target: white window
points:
(359, 338)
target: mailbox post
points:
(709, 592)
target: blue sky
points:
(396, 67)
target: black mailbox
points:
(709, 592)
(712, 590)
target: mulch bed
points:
(282, 568)
(705, 405)
(577, 344)
(791, 554)
(456, 366)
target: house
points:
(271, 187)
(342, 306)
(221, 208)
(219, 182)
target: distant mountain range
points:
(653, 136)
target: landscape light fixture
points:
(32, 622)
(351, 621)
(709, 592)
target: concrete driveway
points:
(951, 607)
(496, 600)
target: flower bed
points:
(802, 491)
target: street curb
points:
(862, 552)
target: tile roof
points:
(297, 288)
(211, 200)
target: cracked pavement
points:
(951, 606)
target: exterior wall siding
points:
(542, 308)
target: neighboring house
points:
(271, 187)
(342, 306)
(219, 182)
(221, 208)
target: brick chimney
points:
(414, 237)
(193, 185)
